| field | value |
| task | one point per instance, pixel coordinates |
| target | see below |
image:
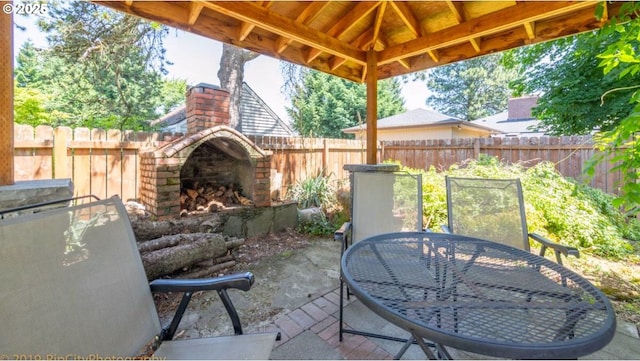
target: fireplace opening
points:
(217, 175)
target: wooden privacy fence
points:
(107, 162)
(569, 155)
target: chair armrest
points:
(339, 235)
(241, 281)
(557, 248)
(445, 229)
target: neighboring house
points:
(256, 118)
(421, 124)
(517, 121)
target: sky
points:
(197, 59)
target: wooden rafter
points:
(457, 9)
(414, 35)
(194, 12)
(433, 54)
(310, 13)
(286, 27)
(531, 30)
(361, 10)
(246, 28)
(378, 22)
(476, 44)
(408, 18)
(496, 22)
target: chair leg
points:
(341, 306)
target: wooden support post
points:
(6, 98)
(372, 107)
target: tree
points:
(102, 68)
(322, 105)
(28, 107)
(231, 76)
(566, 74)
(29, 66)
(621, 143)
(470, 89)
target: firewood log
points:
(209, 271)
(192, 248)
(148, 230)
(192, 193)
(156, 244)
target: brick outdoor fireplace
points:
(211, 151)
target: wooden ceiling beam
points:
(530, 28)
(286, 27)
(246, 28)
(361, 10)
(408, 18)
(476, 44)
(457, 9)
(371, 36)
(194, 12)
(365, 42)
(405, 63)
(580, 21)
(433, 54)
(307, 16)
(353, 17)
(502, 20)
(378, 22)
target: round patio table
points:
(478, 296)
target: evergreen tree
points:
(322, 105)
(101, 69)
(28, 71)
(470, 89)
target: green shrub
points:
(556, 207)
(316, 191)
(317, 227)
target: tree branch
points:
(616, 89)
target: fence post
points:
(60, 169)
(325, 156)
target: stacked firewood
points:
(185, 248)
(211, 198)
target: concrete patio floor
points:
(309, 328)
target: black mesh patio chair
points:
(493, 209)
(381, 202)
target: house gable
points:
(256, 117)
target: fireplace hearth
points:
(211, 154)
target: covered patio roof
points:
(406, 36)
(362, 41)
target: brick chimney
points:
(207, 106)
(520, 108)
